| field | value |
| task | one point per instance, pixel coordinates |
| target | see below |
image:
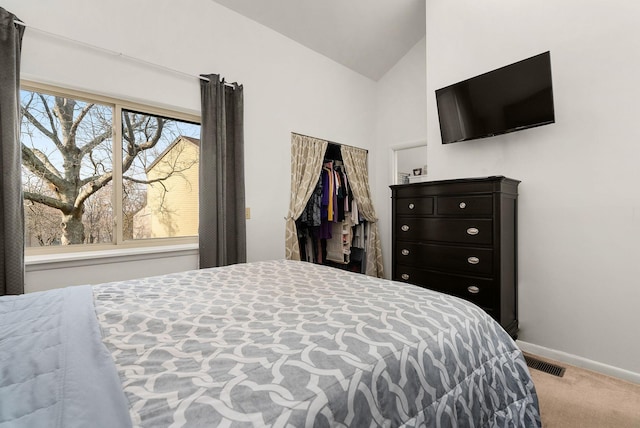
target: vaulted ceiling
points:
(367, 36)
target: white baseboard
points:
(577, 361)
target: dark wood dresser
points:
(460, 237)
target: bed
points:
(273, 343)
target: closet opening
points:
(331, 231)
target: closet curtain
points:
(11, 208)
(222, 225)
(307, 154)
(355, 163)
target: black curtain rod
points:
(330, 142)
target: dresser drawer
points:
(442, 257)
(464, 231)
(481, 291)
(414, 206)
(465, 205)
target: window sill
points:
(90, 258)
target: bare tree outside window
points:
(160, 193)
(68, 179)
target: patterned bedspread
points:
(293, 344)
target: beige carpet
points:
(585, 399)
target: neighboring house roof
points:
(195, 141)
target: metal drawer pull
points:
(462, 205)
(473, 289)
(405, 276)
(411, 206)
(472, 231)
(404, 228)
(473, 260)
(405, 252)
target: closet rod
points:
(114, 53)
(330, 142)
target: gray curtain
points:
(11, 209)
(222, 230)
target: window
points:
(78, 193)
(160, 176)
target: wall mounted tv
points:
(515, 97)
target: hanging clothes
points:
(312, 216)
(330, 226)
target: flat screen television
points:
(514, 97)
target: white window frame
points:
(119, 243)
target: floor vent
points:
(543, 366)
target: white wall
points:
(401, 121)
(579, 203)
(287, 87)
